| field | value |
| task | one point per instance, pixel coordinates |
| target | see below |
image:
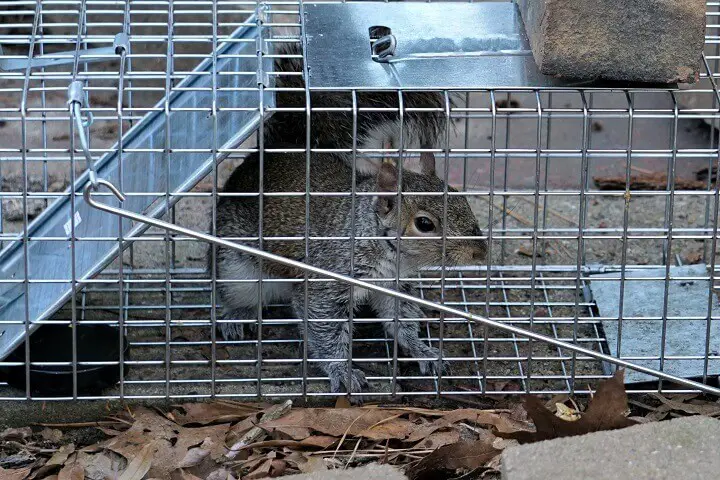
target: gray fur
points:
(331, 216)
(334, 130)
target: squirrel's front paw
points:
(338, 374)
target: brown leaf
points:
(212, 413)
(313, 464)
(438, 439)
(102, 465)
(342, 402)
(15, 434)
(14, 474)
(58, 459)
(140, 465)
(333, 421)
(318, 441)
(393, 428)
(172, 441)
(262, 471)
(278, 467)
(241, 428)
(196, 454)
(72, 472)
(51, 434)
(453, 460)
(697, 408)
(183, 475)
(606, 411)
(502, 422)
(221, 474)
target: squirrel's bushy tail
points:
(334, 129)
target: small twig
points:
(353, 454)
(100, 423)
(30, 448)
(384, 420)
(256, 432)
(346, 433)
(385, 456)
(642, 405)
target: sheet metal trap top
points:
(437, 45)
(50, 263)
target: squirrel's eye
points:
(424, 224)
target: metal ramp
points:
(146, 177)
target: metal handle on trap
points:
(87, 195)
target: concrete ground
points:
(684, 448)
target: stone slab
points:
(658, 41)
(688, 296)
(683, 448)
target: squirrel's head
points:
(422, 216)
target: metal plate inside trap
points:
(51, 255)
(439, 45)
(686, 331)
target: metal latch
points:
(89, 55)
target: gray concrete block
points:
(684, 448)
(372, 471)
(643, 338)
(625, 40)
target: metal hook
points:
(87, 195)
(75, 100)
(384, 48)
(100, 182)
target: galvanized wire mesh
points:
(527, 161)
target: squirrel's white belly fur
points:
(245, 294)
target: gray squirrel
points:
(331, 216)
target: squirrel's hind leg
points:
(329, 339)
(408, 332)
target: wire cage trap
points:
(170, 97)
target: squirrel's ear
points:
(387, 178)
(427, 163)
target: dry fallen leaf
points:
(340, 421)
(72, 472)
(14, 474)
(56, 461)
(16, 434)
(212, 413)
(140, 465)
(51, 434)
(313, 464)
(220, 474)
(502, 422)
(183, 475)
(453, 460)
(698, 408)
(566, 413)
(196, 454)
(438, 439)
(171, 440)
(606, 411)
(342, 402)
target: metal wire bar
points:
(87, 194)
